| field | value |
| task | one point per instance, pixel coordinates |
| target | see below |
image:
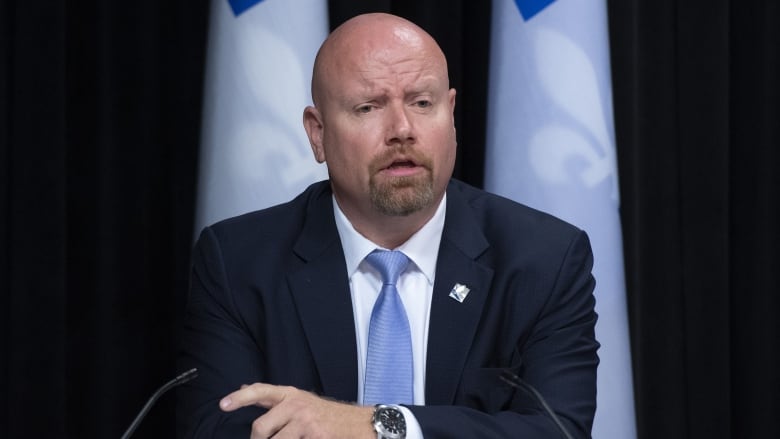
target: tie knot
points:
(390, 264)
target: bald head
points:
(383, 121)
(367, 38)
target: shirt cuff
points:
(413, 430)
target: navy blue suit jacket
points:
(270, 302)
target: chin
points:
(402, 199)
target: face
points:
(384, 123)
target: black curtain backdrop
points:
(697, 112)
(99, 123)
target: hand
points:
(294, 413)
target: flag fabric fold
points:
(550, 145)
(254, 151)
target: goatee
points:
(401, 196)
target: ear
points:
(452, 100)
(312, 123)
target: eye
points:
(364, 109)
(423, 103)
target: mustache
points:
(402, 153)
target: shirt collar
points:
(422, 247)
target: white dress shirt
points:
(415, 286)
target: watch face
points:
(390, 422)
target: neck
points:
(389, 231)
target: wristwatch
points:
(389, 422)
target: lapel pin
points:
(459, 292)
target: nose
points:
(399, 126)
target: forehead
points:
(383, 65)
(391, 65)
(381, 77)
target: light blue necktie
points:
(389, 373)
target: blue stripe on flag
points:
(529, 8)
(239, 6)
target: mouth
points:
(401, 167)
(401, 164)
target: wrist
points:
(389, 422)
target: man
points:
(282, 299)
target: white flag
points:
(550, 145)
(254, 150)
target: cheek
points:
(353, 141)
(348, 155)
(444, 143)
(444, 154)
(345, 146)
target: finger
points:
(264, 395)
(272, 424)
(293, 417)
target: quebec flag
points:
(551, 145)
(254, 150)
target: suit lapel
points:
(320, 289)
(453, 324)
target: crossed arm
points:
(295, 413)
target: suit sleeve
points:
(559, 359)
(215, 339)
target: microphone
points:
(515, 381)
(179, 380)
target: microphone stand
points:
(179, 380)
(515, 381)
